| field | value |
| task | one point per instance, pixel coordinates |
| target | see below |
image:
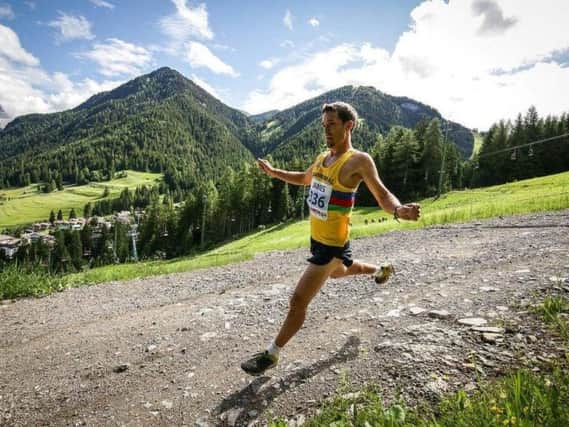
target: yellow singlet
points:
(330, 202)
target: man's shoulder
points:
(360, 156)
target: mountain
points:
(297, 129)
(161, 122)
(263, 117)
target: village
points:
(45, 231)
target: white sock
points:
(274, 349)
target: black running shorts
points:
(322, 254)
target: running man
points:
(333, 178)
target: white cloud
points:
(31, 4)
(476, 61)
(26, 88)
(267, 64)
(66, 94)
(11, 49)
(72, 27)
(223, 47)
(102, 3)
(323, 71)
(288, 44)
(198, 55)
(287, 20)
(314, 22)
(6, 11)
(187, 22)
(205, 85)
(116, 57)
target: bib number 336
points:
(318, 198)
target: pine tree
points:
(284, 206)
(432, 156)
(405, 164)
(60, 256)
(76, 250)
(122, 243)
(59, 215)
(87, 238)
(87, 210)
(149, 231)
(52, 217)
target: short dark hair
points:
(345, 111)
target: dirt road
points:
(166, 350)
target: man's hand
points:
(266, 167)
(410, 211)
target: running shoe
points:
(259, 363)
(384, 273)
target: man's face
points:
(334, 129)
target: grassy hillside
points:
(538, 194)
(28, 204)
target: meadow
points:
(29, 204)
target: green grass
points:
(153, 268)
(520, 399)
(538, 194)
(17, 282)
(26, 205)
(271, 130)
(554, 310)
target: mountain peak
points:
(156, 85)
(163, 71)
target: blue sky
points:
(476, 61)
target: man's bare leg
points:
(357, 267)
(308, 286)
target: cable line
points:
(523, 145)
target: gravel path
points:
(166, 350)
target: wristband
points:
(395, 214)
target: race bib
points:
(318, 198)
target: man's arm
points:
(296, 178)
(384, 197)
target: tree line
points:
(510, 164)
